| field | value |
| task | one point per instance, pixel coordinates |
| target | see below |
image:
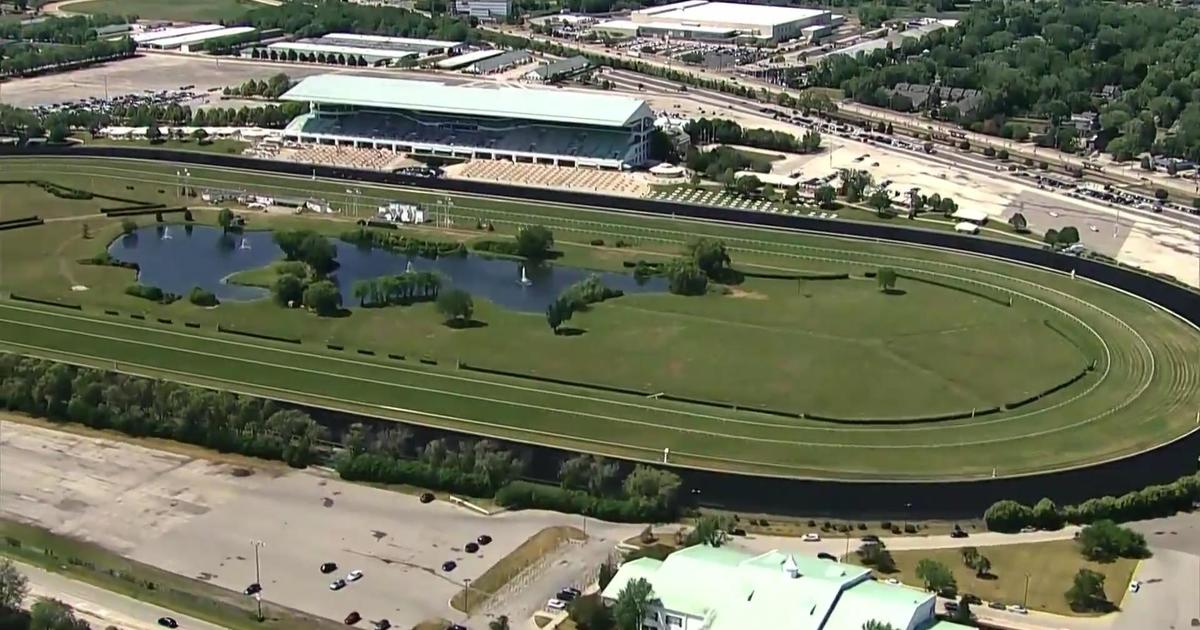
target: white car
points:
(556, 604)
(354, 576)
(812, 537)
(893, 581)
(337, 584)
(1053, 213)
(1016, 608)
(1135, 586)
(1093, 228)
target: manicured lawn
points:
(510, 566)
(825, 347)
(98, 566)
(182, 10)
(230, 147)
(1050, 566)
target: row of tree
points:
(1149, 502)
(147, 407)
(318, 17)
(723, 131)
(269, 88)
(340, 59)
(75, 30)
(405, 288)
(402, 243)
(45, 613)
(22, 59)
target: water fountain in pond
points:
(524, 281)
(409, 267)
(245, 244)
(166, 233)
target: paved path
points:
(100, 607)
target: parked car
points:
(996, 605)
(252, 589)
(958, 532)
(427, 497)
(168, 622)
(951, 606)
(328, 567)
(337, 584)
(449, 565)
(1028, 529)
(893, 581)
(484, 539)
(1016, 608)
(354, 576)
(556, 604)
(812, 537)
(1135, 586)
(567, 594)
(972, 599)
(472, 547)
(826, 556)
(383, 624)
(353, 618)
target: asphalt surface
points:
(100, 607)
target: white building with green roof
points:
(719, 588)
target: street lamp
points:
(258, 576)
(1025, 599)
(467, 596)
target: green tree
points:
(710, 255)
(1105, 541)
(747, 185)
(13, 586)
(708, 530)
(1068, 235)
(1046, 515)
(878, 625)
(51, 614)
(825, 196)
(880, 201)
(1087, 592)
(886, 279)
(559, 312)
(963, 614)
(633, 602)
(970, 555)
(1051, 237)
(1018, 222)
(153, 133)
(288, 290)
(200, 136)
(947, 206)
(855, 184)
(1007, 516)
(322, 298)
(982, 566)
(534, 241)
(589, 612)
(128, 226)
(935, 575)
(225, 219)
(456, 306)
(58, 132)
(652, 484)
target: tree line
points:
(1137, 65)
(270, 88)
(578, 297)
(1149, 502)
(319, 17)
(146, 407)
(723, 131)
(340, 59)
(404, 288)
(75, 30)
(45, 614)
(58, 125)
(22, 58)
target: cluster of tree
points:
(201, 297)
(723, 131)
(876, 555)
(721, 163)
(271, 88)
(533, 242)
(339, 59)
(404, 288)
(1105, 541)
(1060, 238)
(976, 561)
(75, 30)
(22, 59)
(408, 245)
(230, 43)
(1087, 592)
(147, 407)
(456, 306)
(936, 577)
(934, 203)
(304, 283)
(593, 487)
(685, 278)
(152, 293)
(1149, 502)
(577, 297)
(318, 17)
(45, 613)
(476, 468)
(13, 589)
(308, 247)
(1050, 60)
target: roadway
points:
(100, 607)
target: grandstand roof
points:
(605, 110)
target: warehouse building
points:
(499, 63)
(487, 10)
(559, 70)
(517, 124)
(719, 588)
(375, 50)
(466, 59)
(191, 41)
(146, 37)
(718, 21)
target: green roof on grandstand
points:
(605, 110)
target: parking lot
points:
(196, 518)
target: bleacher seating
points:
(364, 158)
(549, 176)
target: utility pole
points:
(467, 596)
(258, 576)
(1025, 599)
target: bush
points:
(503, 248)
(1160, 194)
(292, 268)
(1105, 541)
(1002, 154)
(200, 297)
(384, 469)
(128, 226)
(1149, 502)
(154, 294)
(527, 495)
(598, 242)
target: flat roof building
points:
(189, 40)
(164, 33)
(499, 63)
(701, 19)
(490, 10)
(466, 59)
(719, 588)
(560, 69)
(429, 118)
(374, 49)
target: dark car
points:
(328, 567)
(958, 533)
(426, 497)
(951, 606)
(484, 539)
(253, 588)
(471, 547)
(449, 565)
(353, 618)
(996, 605)
(168, 622)
(383, 624)
(826, 556)
(971, 599)
(564, 595)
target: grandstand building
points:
(427, 118)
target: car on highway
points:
(484, 539)
(328, 567)
(426, 497)
(252, 589)
(1016, 608)
(354, 576)
(472, 547)
(337, 584)
(449, 565)
(168, 622)
(812, 537)
(353, 618)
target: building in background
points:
(719, 588)
(489, 10)
(718, 21)
(559, 70)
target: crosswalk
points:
(721, 198)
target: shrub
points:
(384, 469)
(1161, 194)
(598, 242)
(292, 268)
(989, 152)
(154, 294)
(885, 525)
(527, 495)
(1149, 502)
(1002, 154)
(200, 297)
(1106, 541)
(128, 226)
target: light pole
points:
(258, 576)
(1025, 599)
(467, 596)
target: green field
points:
(182, 10)
(1051, 567)
(839, 348)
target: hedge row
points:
(381, 468)
(528, 495)
(1149, 502)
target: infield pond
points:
(176, 258)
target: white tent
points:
(974, 216)
(966, 227)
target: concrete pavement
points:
(100, 607)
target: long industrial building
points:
(429, 118)
(717, 21)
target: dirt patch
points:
(742, 294)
